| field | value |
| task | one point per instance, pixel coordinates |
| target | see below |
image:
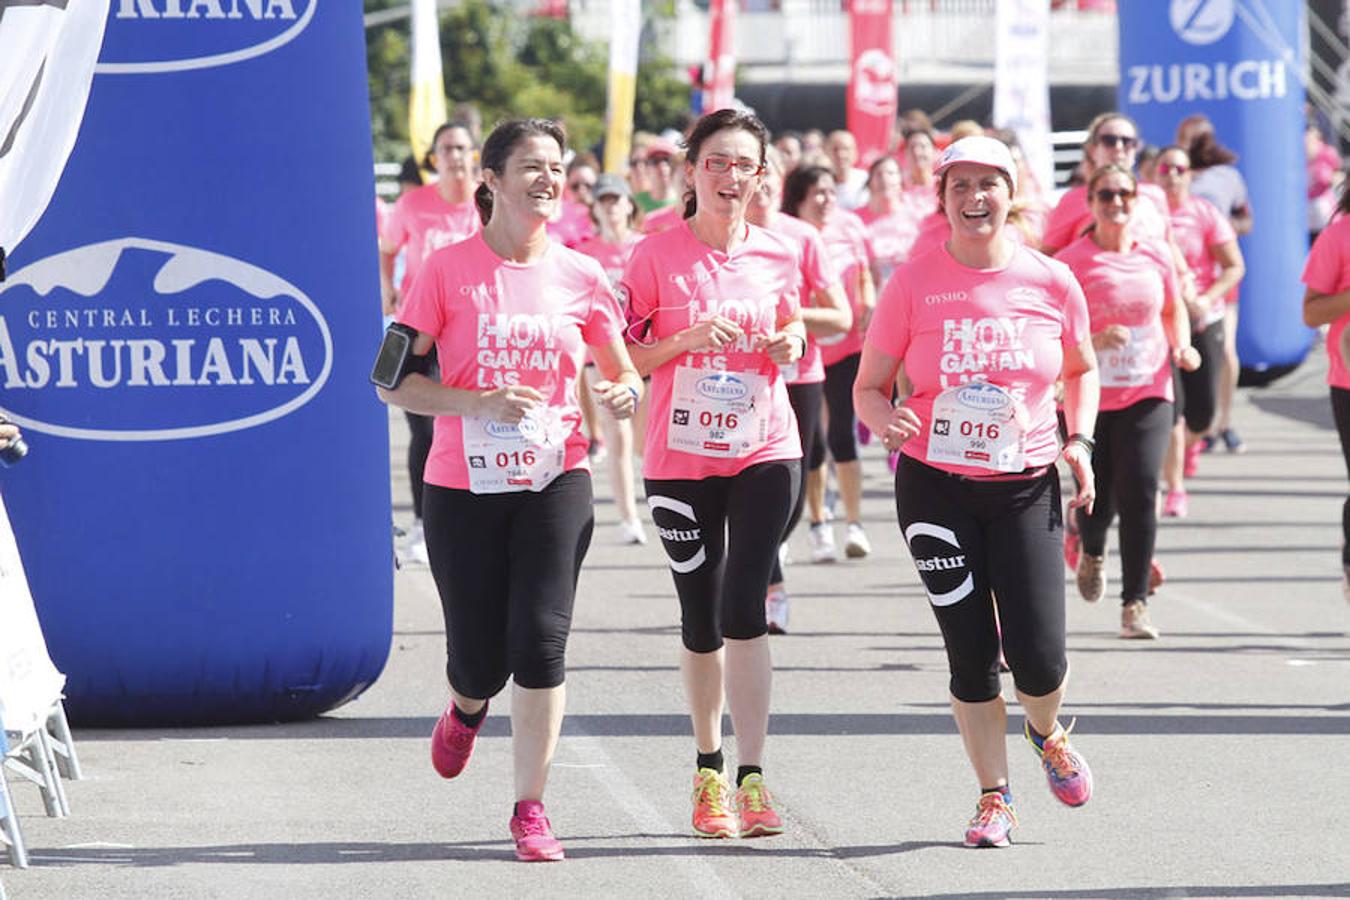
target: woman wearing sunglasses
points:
(1209, 243)
(985, 327)
(713, 317)
(1139, 326)
(1112, 139)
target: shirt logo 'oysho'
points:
(196, 34)
(139, 340)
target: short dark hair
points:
(799, 183)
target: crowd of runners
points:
(734, 316)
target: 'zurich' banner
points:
(1240, 63)
(185, 337)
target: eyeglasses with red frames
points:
(1173, 169)
(1121, 140)
(721, 165)
(1106, 195)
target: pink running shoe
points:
(1175, 505)
(1156, 576)
(452, 742)
(993, 822)
(534, 835)
(1191, 459)
(1072, 548)
(1066, 771)
(892, 460)
(754, 808)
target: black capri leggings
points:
(1131, 443)
(721, 536)
(841, 436)
(1340, 411)
(422, 429)
(806, 400)
(1201, 387)
(974, 540)
(506, 567)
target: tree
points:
(509, 65)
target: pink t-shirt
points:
(891, 236)
(845, 239)
(1071, 217)
(1128, 289)
(663, 219)
(1328, 272)
(952, 325)
(1198, 227)
(611, 257)
(421, 223)
(573, 226)
(935, 230)
(817, 275)
(498, 323)
(674, 281)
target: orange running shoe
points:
(712, 796)
(754, 806)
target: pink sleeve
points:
(639, 288)
(889, 330)
(1219, 230)
(1322, 272)
(395, 233)
(425, 307)
(1077, 327)
(1059, 225)
(605, 322)
(790, 301)
(816, 266)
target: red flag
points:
(872, 81)
(720, 85)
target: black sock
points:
(713, 760)
(743, 771)
(472, 721)
(1003, 789)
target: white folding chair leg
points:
(63, 745)
(10, 836)
(53, 792)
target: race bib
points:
(978, 424)
(1137, 363)
(717, 413)
(503, 458)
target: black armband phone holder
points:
(396, 360)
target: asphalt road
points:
(1221, 751)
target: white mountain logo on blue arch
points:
(155, 36)
(143, 340)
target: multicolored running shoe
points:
(993, 822)
(1066, 771)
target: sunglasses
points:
(1106, 195)
(1118, 140)
(1172, 169)
(720, 165)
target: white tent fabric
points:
(29, 684)
(48, 49)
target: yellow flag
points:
(623, 59)
(426, 101)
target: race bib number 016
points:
(978, 425)
(716, 413)
(1137, 363)
(504, 458)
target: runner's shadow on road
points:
(1147, 893)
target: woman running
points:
(825, 312)
(809, 195)
(1139, 327)
(508, 493)
(424, 220)
(614, 215)
(985, 327)
(1327, 302)
(1210, 247)
(714, 316)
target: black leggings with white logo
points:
(721, 536)
(506, 567)
(973, 541)
(1131, 443)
